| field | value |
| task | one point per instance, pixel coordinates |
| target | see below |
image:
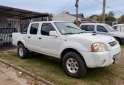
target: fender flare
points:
(74, 45)
(20, 39)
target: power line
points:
(55, 1)
(63, 7)
(74, 6)
(99, 2)
(109, 6)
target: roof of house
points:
(79, 15)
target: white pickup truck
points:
(77, 50)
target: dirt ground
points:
(10, 76)
(5, 80)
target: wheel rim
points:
(21, 51)
(72, 65)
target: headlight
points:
(98, 47)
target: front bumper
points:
(102, 59)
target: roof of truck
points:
(47, 21)
(92, 24)
(118, 25)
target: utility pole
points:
(76, 5)
(103, 13)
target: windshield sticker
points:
(63, 31)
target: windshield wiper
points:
(69, 33)
(79, 32)
(72, 27)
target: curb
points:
(26, 72)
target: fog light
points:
(103, 62)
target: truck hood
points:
(94, 38)
(119, 34)
(87, 39)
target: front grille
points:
(113, 43)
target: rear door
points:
(88, 28)
(32, 37)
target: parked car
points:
(119, 27)
(6, 35)
(76, 49)
(103, 29)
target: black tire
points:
(24, 51)
(73, 57)
(118, 40)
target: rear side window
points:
(34, 28)
(88, 27)
(24, 30)
(46, 28)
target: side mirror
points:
(53, 33)
(106, 31)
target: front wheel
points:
(74, 65)
(118, 40)
(22, 51)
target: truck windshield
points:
(110, 28)
(68, 28)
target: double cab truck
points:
(77, 50)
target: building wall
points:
(65, 17)
(15, 23)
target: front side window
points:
(34, 28)
(115, 27)
(46, 28)
(101, 28)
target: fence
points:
(6, 30)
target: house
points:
(66, 16)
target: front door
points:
(48, 44)
(101, 30)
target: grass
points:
(49, 68)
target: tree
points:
(108, 17)
(99, 18)
(122, 19)
(50, 15)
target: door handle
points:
(28, 36)
(40, 38)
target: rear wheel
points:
(74, 65)
(22, 51)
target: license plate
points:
(115, 57)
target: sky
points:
(87, 7)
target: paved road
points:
(5, 80)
